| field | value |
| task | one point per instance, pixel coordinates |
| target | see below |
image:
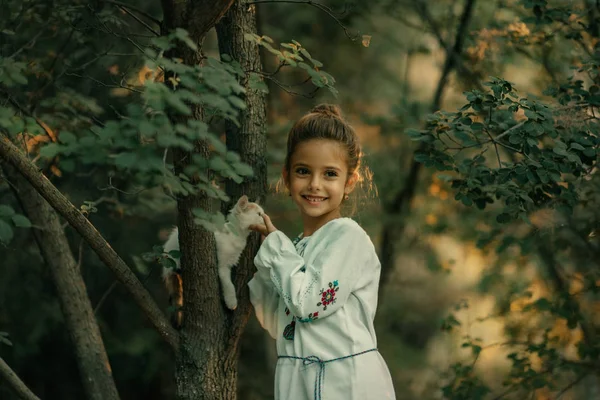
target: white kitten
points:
(230, 240)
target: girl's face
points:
(318, 181)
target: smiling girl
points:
(317, 295)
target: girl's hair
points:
(325, 121)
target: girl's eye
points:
(331, 174)
(302, 171)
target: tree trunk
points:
(94, 367)
(206, 361)
(249, 141)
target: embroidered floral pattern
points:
(328, 295)
(311, 317)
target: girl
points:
(317, 295)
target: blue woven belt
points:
(321, 374)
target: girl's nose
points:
(315, 183)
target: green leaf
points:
(237, 102)
(6, 232)
(243, 169)
(6, 211)
(217, 164)
(503, 218)
(67, 137)
(577, 146)
(126, 160)
(175, 254)
(21, 221)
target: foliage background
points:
(466, 296)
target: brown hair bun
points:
(328, 109)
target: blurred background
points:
(442, 292)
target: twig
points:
(111, 288)
(321, 7)
(495, 147)
(111, 187)
(120, 86)
(570, 385)
(137, 10)
(286, 89)
(104, 296)
(132, 15)
(29, 44)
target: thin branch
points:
(320, 6)
(112, 287)
(120, 86)
(15, 382)
(509, 130)
(95, 240)
(28, 45)
(495, 147)
(104, 296)
(132, 15)
(137, 10)
(571, 385)
(286, 89)
(112, 187)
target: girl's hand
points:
(265, 229)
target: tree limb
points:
(15, 382)
(92, 360)
(64, 207)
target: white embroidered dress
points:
(318, 298)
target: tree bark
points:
(397, 210)
(13, 156)
(249, 141)
(15, 382)
(94, 367)
(206, 360)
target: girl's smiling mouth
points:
(314, 199)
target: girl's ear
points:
(351, 182)
(286, 177)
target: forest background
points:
(479, 122)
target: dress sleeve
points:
(265, 300)
(321, 286)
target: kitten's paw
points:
(231, 303)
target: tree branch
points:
(132, 15)
(15, 382)
(137, 10)
(321, 7)
(64, 207)
(82, 326)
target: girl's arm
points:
(317, 289)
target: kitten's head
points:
(248, 213)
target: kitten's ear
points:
(243, 202)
